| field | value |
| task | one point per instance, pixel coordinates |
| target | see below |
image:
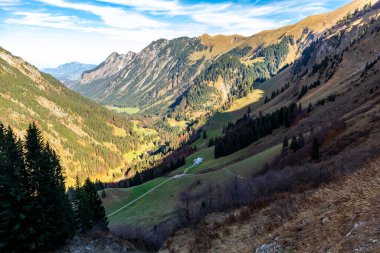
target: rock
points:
(325, 220)
(111, 66)
(273, 247)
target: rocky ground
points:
(98, 243)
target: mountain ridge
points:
(161, 92)
(69, 73)
(90, 139)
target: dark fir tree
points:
(54, 221)
(315, 150)
(211, 142)
(285, 142)
(309, 108)
(97, 212)
(36, 214)
(294, 144)
(82, 208)
(204, 134)
(17, 233)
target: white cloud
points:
(47, 38)
(44, 20)
(148, 5)
(9, 2)
(113, 17)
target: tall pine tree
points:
(82, 208)
(98, 213)
(53, 218)
(16, 207)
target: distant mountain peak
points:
(69, 73)
(111, 65)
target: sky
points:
(47, 33)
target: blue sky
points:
(51, 32)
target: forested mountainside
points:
(204, 73)
(89, 139)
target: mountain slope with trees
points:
(171, 75)
(89, 139)
(36, 213)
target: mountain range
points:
(170, 75)
(69, 73)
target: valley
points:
(225, 143)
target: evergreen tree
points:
(294, 145)
(36, 214)
(309, 108)
(53, 212)
(315, 150)
(285, 143)
(58, 207)
(16, 231)
(300, 141)
(204, 134)
(82, 208)
(211, 142)
(97, 212)
(249, 111)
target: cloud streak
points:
(124, 25)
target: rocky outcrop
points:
(112, 65)
(97, 243)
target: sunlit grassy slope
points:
(127, 110)
(89, 139)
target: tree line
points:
(36, 213)
(247, 130)
(149, 174)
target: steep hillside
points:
(107, 69)
(69, 73)
(159, 71)
(337, 114)
(296, 196)
(90, 139)
(181, 74)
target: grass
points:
(244, 167)
(117, 198)
(142, 131)
(154, 207)
(244, 102)
(161, 203)
(127, 110)
(173, 123)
